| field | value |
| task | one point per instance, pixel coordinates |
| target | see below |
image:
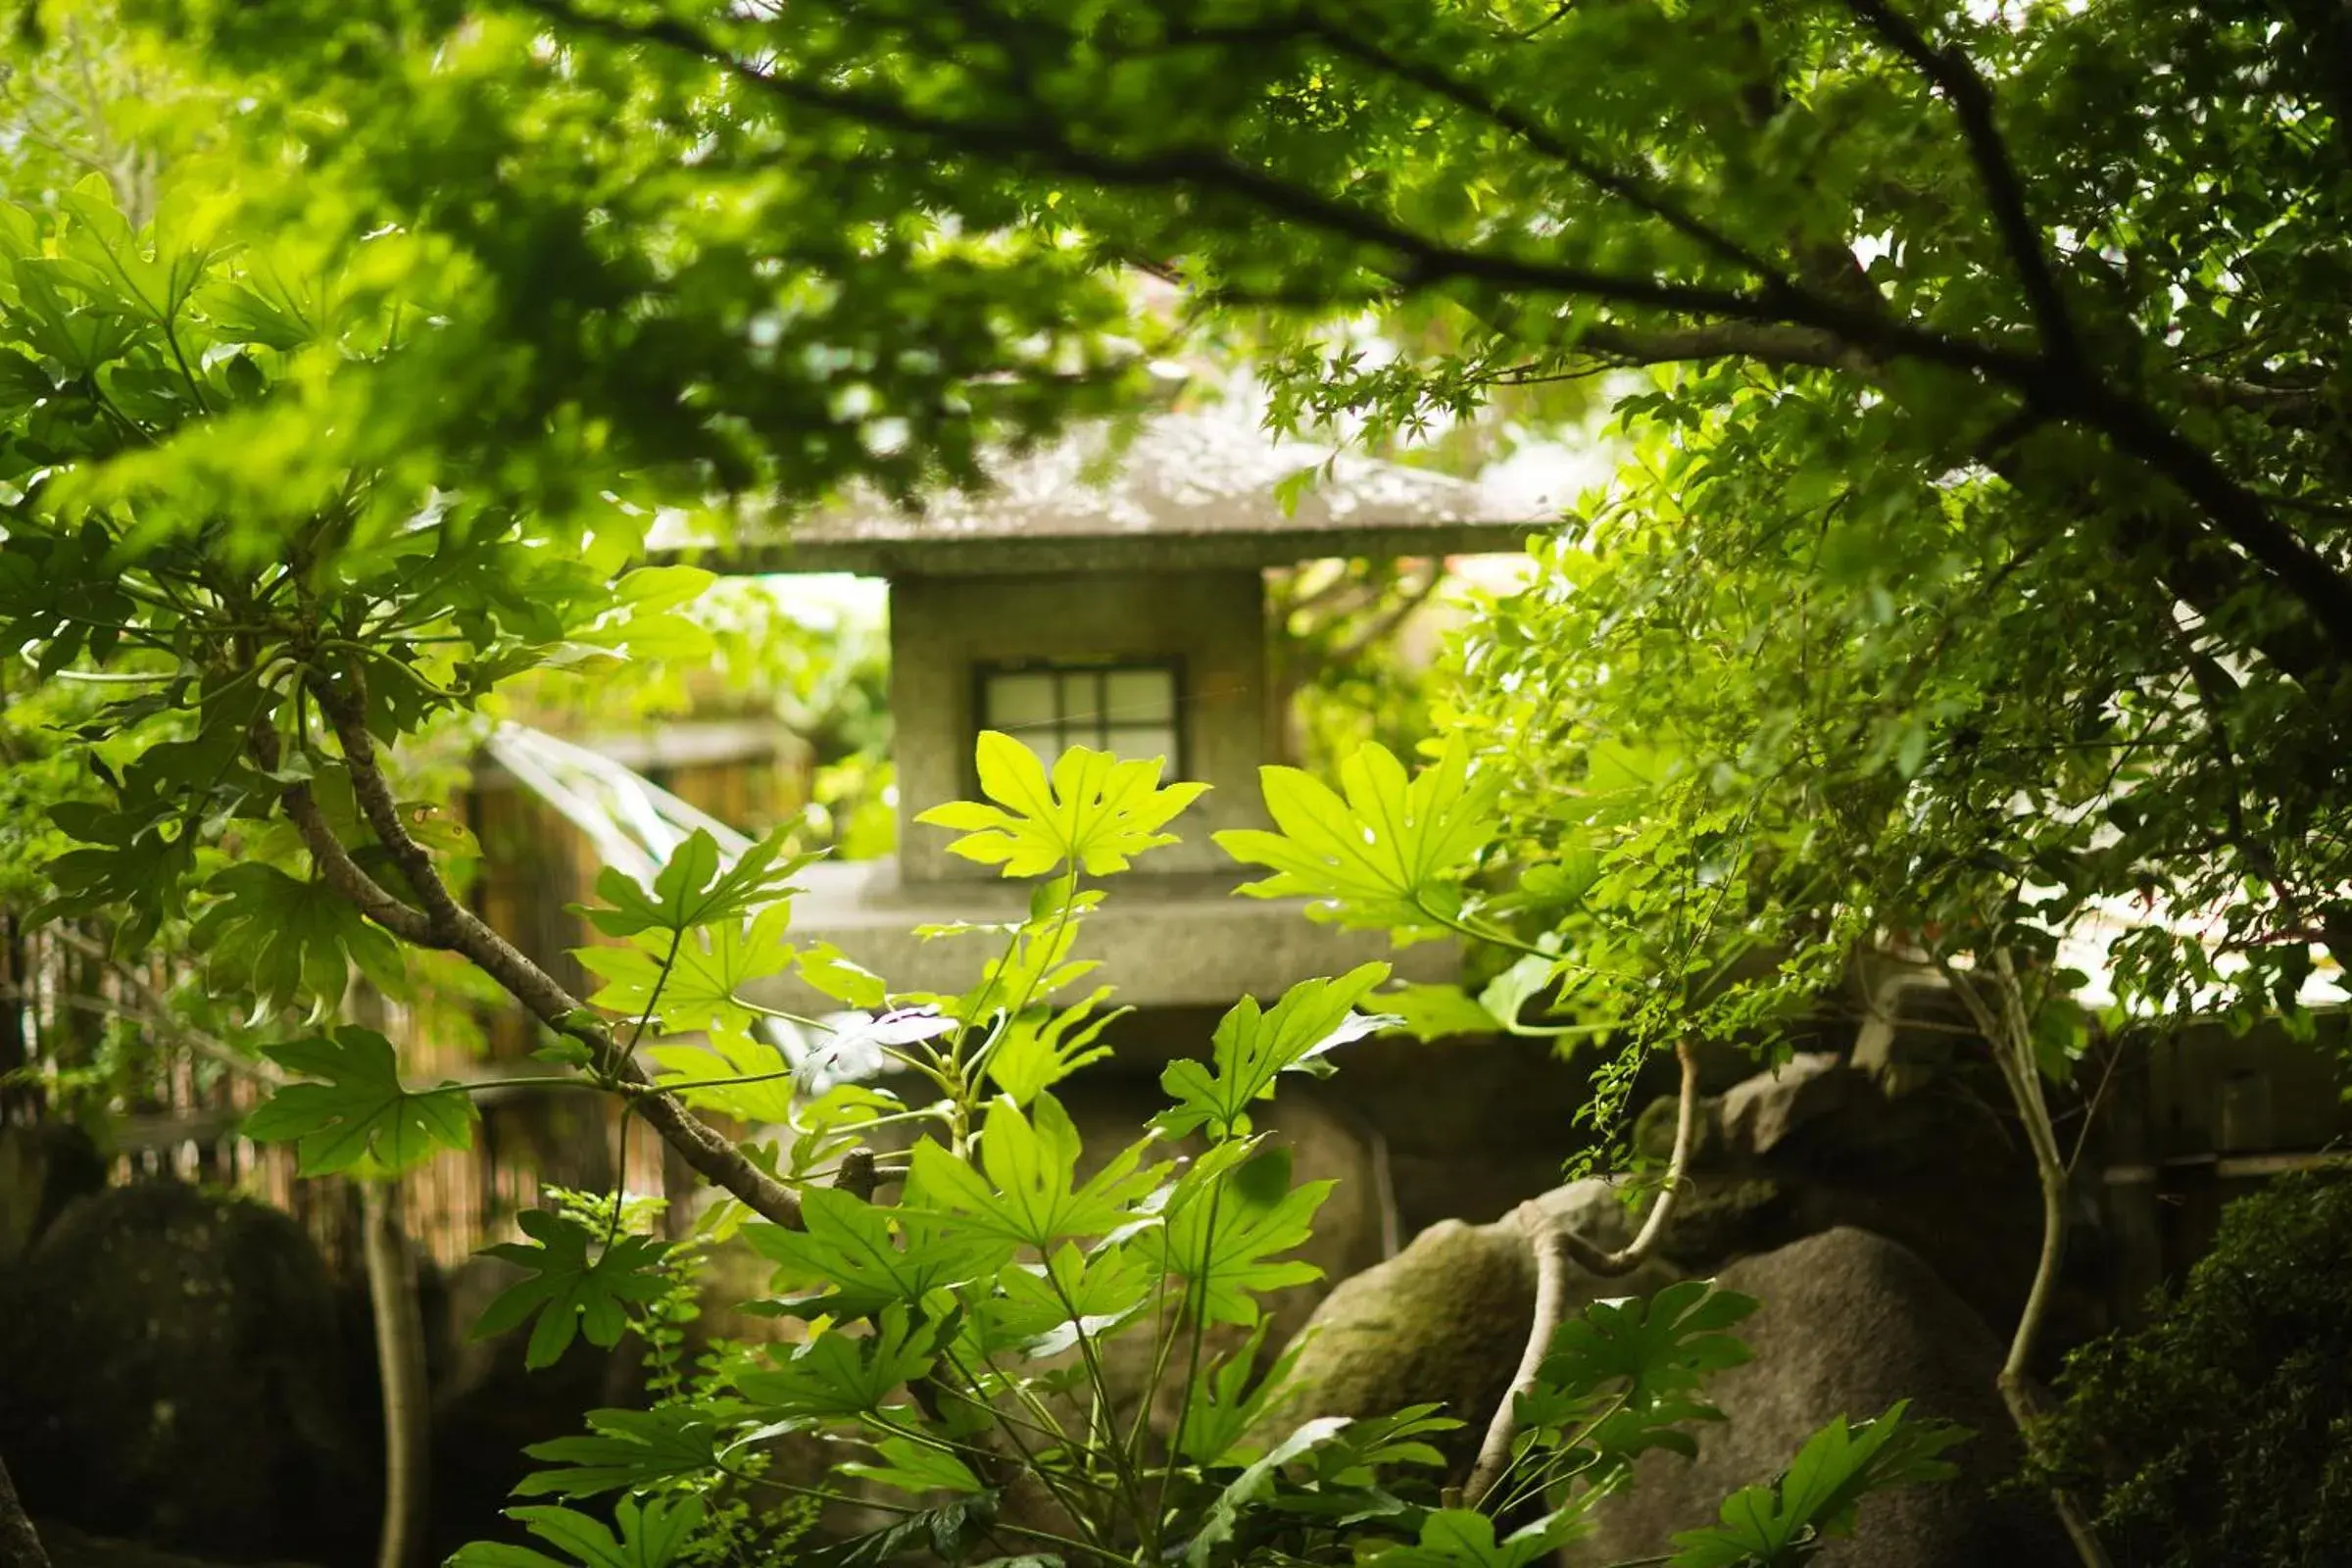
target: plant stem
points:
(400, 1365)
(1556, 1246)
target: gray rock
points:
(1758, 1114)
(1850, 1323)
(1442, 1322)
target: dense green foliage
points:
(2221, 1433)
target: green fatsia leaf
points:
(946, 1533)
(1461, 1537)
(693, 889)
(653, 1534)
(1782, 1523)
(1223, 1235)
(918, 1467)
(1391, 853)
(869, 1257)
(1096, 813)
(838, 1376)
(1024, 1187)
(1254, 1047)
(1431, 1013)
(1639, 1363)
(1249, 1490)
(578, 1284)
(1228, 1401)
(1042, 1309)
(712, 963)
(1043, 1046)
(359, 1118)
(288, 939)
(634, 1450)
(768, 1098)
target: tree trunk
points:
(400, 1363)
(19, 1543)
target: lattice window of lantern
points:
(1129, 710)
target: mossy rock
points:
(178, 1376)
(1442, 1322)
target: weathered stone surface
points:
(180, 1377)
(43, 1166)
(1850, 1323)
(69, 1547)
(1758, 1114)
(1444, 1321)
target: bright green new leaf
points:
(699, 992)
(654, 1534)
(358, 1117)
(1433, 1012)
(692, 889)
(1781, 1524)
(1095, 812)
(1041, 1047)
(918, 1467)
(1024, 1187)
(1391, 853)
(1253, 1047)
(570, 1290)
(767, 1096)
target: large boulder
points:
(1850, 1323)
(44, 1165)
(1442, 1322)
(176, 1374)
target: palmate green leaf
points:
(1431, 1013)
(1391, 853)
(1781, 1524)
(868, 1258)
(1461, 1537)
(946, 1533)
(1647, 1357)
(1223, 1235)
(916, 1467)
(654, 1534)
(632, 1449)
(578, 1283)
(769, 1099)
(1249, 1489)
(1096, 813)
(693, 889)
(838, 1376)
(1252, 1048)
(288, 939)
(1230, 1397)
(714, 960)
(1042, 1309)
(1024, 1187)
(358, 1117)
(1043, 1046)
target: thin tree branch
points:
(1555, 1248)
(450, 925)
(1951, 72)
